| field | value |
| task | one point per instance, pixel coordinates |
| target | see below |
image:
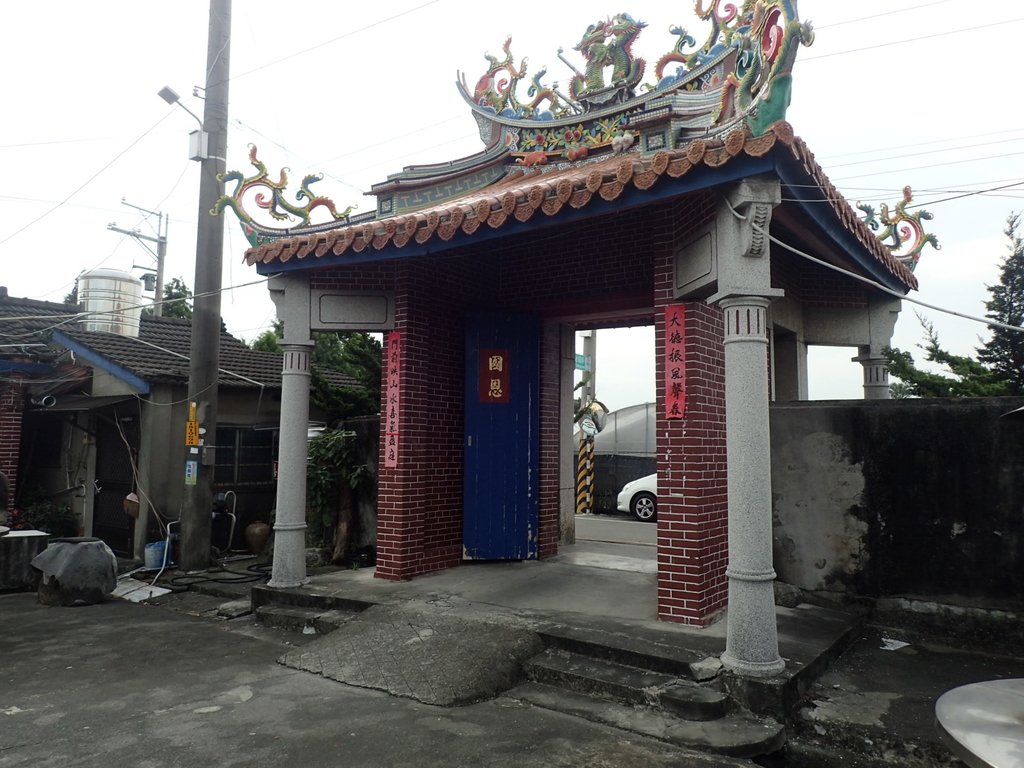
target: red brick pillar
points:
(692, 479)
(12, 409)
(419, 510)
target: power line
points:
(333, 40)
(932, 165)
(913, 39)
(88, 181)
(925, 152)
(921, 144)
(869, 281)
(874, 16)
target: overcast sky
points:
(891, 93)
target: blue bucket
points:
(154, 556)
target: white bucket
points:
(155, 555)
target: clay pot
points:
(256, 535)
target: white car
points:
(641, 498)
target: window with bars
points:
(245, 456)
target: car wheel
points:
(644, 507)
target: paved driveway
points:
(120, 684)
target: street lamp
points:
(198, 141)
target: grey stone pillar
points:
(291, 295)
(289, 569)
(876, 376)
(752, 645)
(744, 293)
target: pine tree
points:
(1004, 352)
(966, 376)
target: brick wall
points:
(813, 285)
(620, 265)
(12, 407)
(692, 480)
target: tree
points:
(356, 354)
(1004, 351)
(71, 298)
(270, 339)
(967, 377)
(177, 300)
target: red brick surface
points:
(619, 267)
(12, 407)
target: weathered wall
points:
(900, 497)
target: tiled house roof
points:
(26, 323)
(161, 354)
(527, 192)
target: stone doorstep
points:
(624, 649)
(627, 685)
(298, 619)
(738, 734)
(234, 609)
(306, 597)
(775, 697)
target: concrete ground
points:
(121, 684)
(124, 684)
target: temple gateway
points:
(669, 193)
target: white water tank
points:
(112, 300)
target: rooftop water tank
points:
(112, 300)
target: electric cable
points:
(88, 181)
(869, 281)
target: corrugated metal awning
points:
(83, 402)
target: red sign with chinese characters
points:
(675, 361)
(494, 376)
(392, 395)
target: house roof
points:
(161, 352)
(25, 325)
(528, 194)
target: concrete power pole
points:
(205, 348)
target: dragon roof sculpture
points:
(740, 75)
(739, 78)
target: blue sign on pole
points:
(581, 363)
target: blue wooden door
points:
(502, 437)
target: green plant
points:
(42, 515)
(333, 472)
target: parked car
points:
(640, 497)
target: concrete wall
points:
(900, 497)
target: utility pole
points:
(196, 512)
(589, 392)
(163, 221)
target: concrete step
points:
(627, 648)
(627, 684)
(738, 734)
(306, 597)
(298, 619)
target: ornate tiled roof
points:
(527, 192)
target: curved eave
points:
(593, 114)
(821, 203)
(416, 175)
(535, 199)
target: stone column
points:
(876, 375)
(291, 295)
(752, 645)
(289, 569)
(744, 293)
